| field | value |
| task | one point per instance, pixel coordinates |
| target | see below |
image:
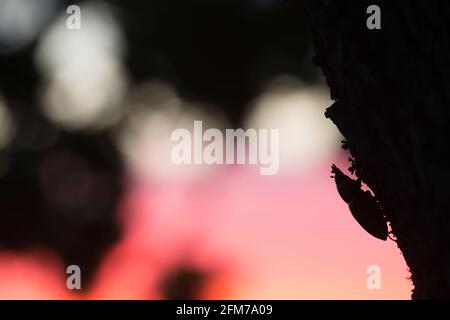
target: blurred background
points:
(86, 176)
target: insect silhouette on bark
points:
(363, 206)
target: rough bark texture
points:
(391, 88)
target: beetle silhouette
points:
(363, 206)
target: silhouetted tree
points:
(392, 98)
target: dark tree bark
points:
(392, 104)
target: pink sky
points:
(262, 237)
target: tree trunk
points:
(392, 104)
